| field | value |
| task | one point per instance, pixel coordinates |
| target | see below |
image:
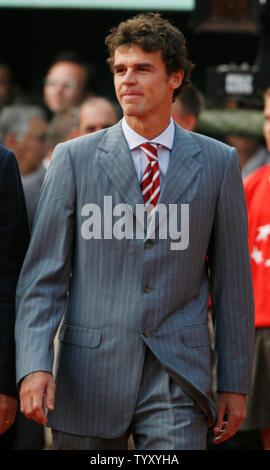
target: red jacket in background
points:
(257, 190)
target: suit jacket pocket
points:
(196, 336)
(80, 336)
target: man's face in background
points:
(64, 86)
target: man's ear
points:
(176, 78)
(10, 141)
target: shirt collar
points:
(46, 163)
(165, 139)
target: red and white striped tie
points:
(150, 183)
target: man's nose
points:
(129, 76)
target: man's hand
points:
(36, 388)
(233, 405)
(8, 408)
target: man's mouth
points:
(130, 93)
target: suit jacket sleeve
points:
(45, 277)
(14, 238)
(231, 284)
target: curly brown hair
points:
(153, 33)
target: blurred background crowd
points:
(55, 85)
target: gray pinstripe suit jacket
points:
(110, 315)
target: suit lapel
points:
(183, 167)
(116, 161)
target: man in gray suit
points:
(134, 352)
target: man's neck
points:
(148, 128)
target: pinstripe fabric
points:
(66, 441)
(165, 418)
(108, 309)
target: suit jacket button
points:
(147, 288)
(146, 333)
(148, 244)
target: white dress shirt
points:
(164, 145)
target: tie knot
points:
(150, 150)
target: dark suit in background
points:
(14, 239)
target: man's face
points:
(142, 85)
(94, 117)
(266, 126)
(32, 147)
(64, 86)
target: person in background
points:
(257, 190)
(95, 114)
(266, 125)
(8, 87)
(10, 90)
(69, 81)
(23, 129)
(14, 239)
(252, 153)
(187, 107)
(61, 128)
